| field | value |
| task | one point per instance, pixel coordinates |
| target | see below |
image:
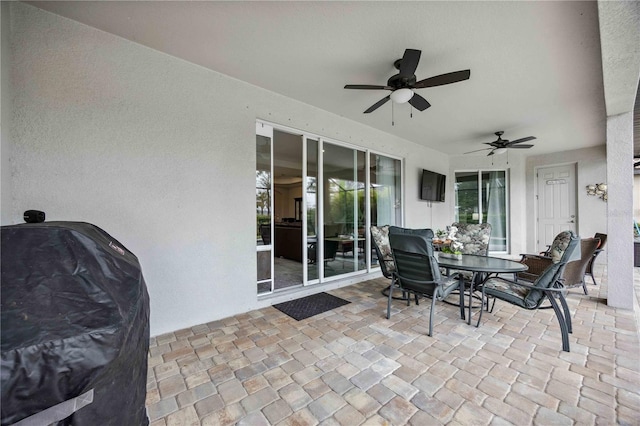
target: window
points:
(481, 197)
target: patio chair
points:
(547, 286)
(475, 239)
(575, 271)
(417, 272)
(600, 249)
(382, 248)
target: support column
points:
(620, 211)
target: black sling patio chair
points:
(417, 272)
(547, 286)
(382, 248)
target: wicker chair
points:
(574, 273)
(547, 286)
(600, 249)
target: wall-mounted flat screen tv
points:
(433, 186)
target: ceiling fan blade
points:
(409, 62)
(491, 153)
(378, 104)
(418, 102)
(367, 87)
(477, 150)
(520, 146)
(439, 80)
(527, 139)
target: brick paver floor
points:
(352, 366)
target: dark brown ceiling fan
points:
(403, 84)
(501, 145)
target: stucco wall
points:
(5, 109)
(147, 147)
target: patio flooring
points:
(352, 366)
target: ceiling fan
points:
(500, 146)
(403, 84)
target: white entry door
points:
(556, 188)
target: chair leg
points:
(433, 306)
(482, 307)
(567, 313)
(461, 291)
(584, 286)
(389, 300)
(563, 324)
(417, 302)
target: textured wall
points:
(620, 210)
(161, 154)
(5, 109)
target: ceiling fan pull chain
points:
(392, 116)
(411, 114)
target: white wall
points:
(591, 169)
(161, 154)
(5, 109)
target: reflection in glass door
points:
(344, 210)
(264, 208)
(311, 198)
(385, 188)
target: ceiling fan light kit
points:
(401, 96)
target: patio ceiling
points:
(536, 67)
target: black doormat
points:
(309, 306)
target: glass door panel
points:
(385, 188)
(344, 218)
(311, 198)
(287, 188)
(264, 208)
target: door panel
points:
(556, 190)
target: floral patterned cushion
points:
(506, 291)
(380, 236)
(559, 245)
(474, 237)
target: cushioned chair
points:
(547, 286)
(600, 249)
(380, 243)
(417, 272)
(575, 270)
(475, 239)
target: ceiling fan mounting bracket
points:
(398, 82)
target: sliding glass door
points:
(481, 197)
(315, 201)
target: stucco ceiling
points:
(536, 67)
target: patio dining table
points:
(480, 265)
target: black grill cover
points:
(75, 317)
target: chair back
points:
(602, 238)
(380, 243)
(474, 237)
(575, 270)
(551, 276)
(416, 266)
